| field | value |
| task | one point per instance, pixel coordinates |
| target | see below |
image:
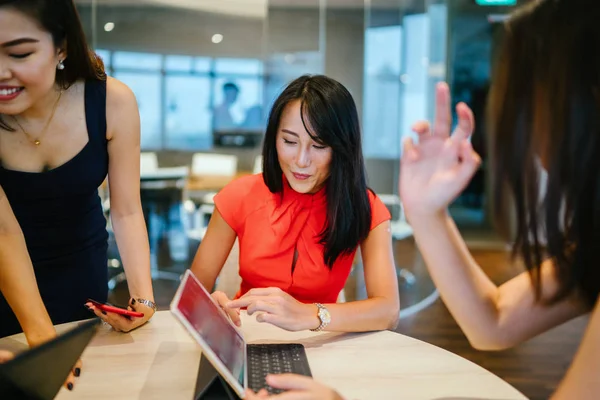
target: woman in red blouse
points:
(300, 222)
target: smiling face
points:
(28, 60)
(304, 162)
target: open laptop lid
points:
(221, 342)
(39, 373)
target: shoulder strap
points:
(95, 109)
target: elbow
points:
(496, 333)
(119, 214)
(491, 343)
(391, 318)
(392, 323)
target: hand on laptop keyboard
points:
(295, 387)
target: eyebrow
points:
(17, 42)
(290, 132)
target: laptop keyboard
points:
(266, 359)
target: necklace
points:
(36, 141)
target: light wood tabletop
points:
(160, 361)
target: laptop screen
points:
(196, 305)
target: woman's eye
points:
(319, 147)
(23, 55)
(288, 142)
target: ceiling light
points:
(217, 38)
(109, 26)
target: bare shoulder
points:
(118, 94)
(121, 106)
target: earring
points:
(60, 65)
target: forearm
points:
(214, 252)
(132, 241)
(206, 276)
(469, 294)
(19, 287)
(360, 316)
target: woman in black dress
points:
(65, 125)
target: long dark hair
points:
(61, 19)
(328, 108)
(545, 102)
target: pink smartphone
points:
(116, 310)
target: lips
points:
(8, 93)
(300, 177)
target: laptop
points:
(243, 366)
(39, 373)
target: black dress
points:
(61, 216)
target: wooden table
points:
(160, 361)
(201, 183)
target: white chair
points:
(148, 162)
(257, 165)
(214, 164)
(209, 164)
(401, 229)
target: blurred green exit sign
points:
(496, 2)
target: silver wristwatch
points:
(324, 317)
(147, 303)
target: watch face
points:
(324, 315)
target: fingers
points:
(253, 294)
(140, 307)
(262, 394)
(263, 292)
(462, 161)
(466, 122)
(470, 161)
(231, 311)
(422, 128)
(301, 387)
(266, 309)
(120, 323)
(5, 356)
(410, 152)
(77, 368)
(250, 395)
(70, 382)
(253, 304)
(100, 314)
(443, 119)
(234, 315)
(261, 305)
(242, 302)
(290, 381)
(272, 319)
